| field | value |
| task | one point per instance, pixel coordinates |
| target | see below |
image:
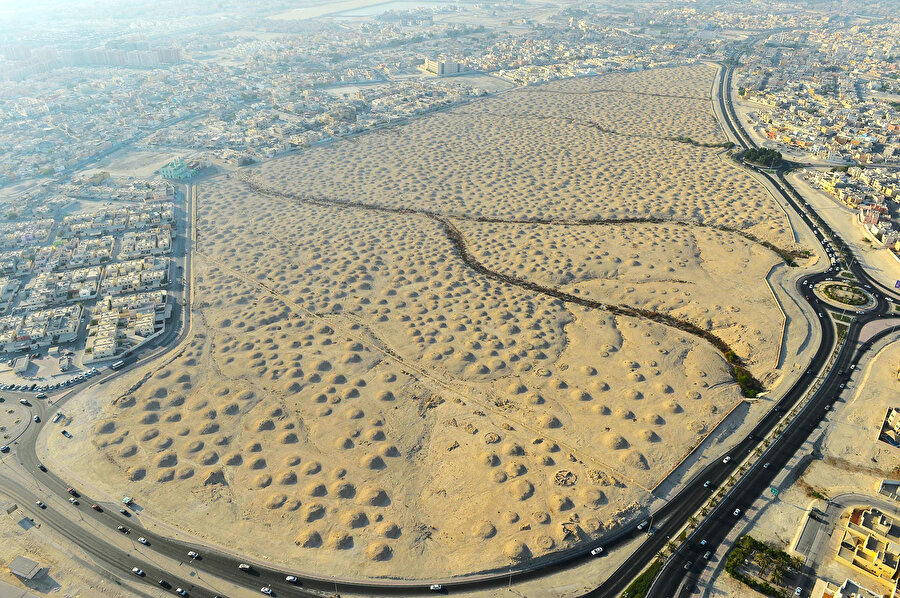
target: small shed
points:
(24, 568)
(21, 364)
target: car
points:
(180, 592)
(25, 402)
(766, 465)
(706, 484)
(707, 555)
(688, 564)
(123, 529)
(143, 541)
(643, 524)
(435, 587)
(266, 590)
(41, 395)
(125, 512)
(72, 491)
(597, 551)
(65, 433)
(726, 459)
(859, 311)
(737, 513)
(97, 508)
(820, 314)
(193, 555)
(164, 584)
(73, 500)
(36, 419)
(842, 386)
(4, 448)
(703, 542)
(798, 591)
(40, 504)
(137, 571)
(291, 579)
(244, 567)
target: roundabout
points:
(844, 295)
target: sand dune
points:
(358, 400)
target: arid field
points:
(391, 370)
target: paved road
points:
(666, 521)
(679, 575)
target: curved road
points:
(666, 521)
(679, 575)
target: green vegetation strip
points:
(689, 141)
(640, 586)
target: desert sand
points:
(357, 399)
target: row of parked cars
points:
(42, 388)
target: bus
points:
(117, 365)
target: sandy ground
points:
(134, 163)
(357, 398)
(848, 459)
(877, 260)
(66, 570)
(690, 272)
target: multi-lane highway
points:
(666, 522)
(678, 576)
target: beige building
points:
(871, 544)
(443, 68)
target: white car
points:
(180, 592)
(435, 587)
(193, 554)
(726, 459)
(266, 590)
(244, 567)
(291, 579)
(143, 540)
(137, 571)
(597, 551)
(737, 513)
